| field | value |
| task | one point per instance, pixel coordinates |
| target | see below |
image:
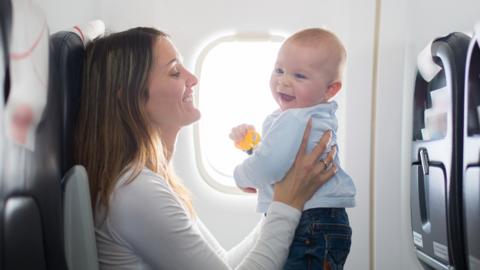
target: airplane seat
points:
(80, 243)
(42, 92)
(31, 235)
(67, 50)
(67, 56)
(471, 150)
(437, 147)
(5, 28)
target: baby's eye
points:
(300, 76)
(278, 71)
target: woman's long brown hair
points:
(113, 135)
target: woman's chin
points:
(194, 117)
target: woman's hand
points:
(307, 173)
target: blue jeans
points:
(322, 236)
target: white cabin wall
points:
(392, 219)
(63, 15)
(358, 86)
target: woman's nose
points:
(192, 80)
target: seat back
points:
(37, 140)
(31, 196)
(66, 64)
(80, 247)
(67, 51)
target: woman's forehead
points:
(164, 51)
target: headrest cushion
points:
(426, 67)
(89, 31)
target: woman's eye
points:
(175, 73)
(300, 76)
(279, 71)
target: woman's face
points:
(170, 103)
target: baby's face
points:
(299, 79)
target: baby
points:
(307, 74)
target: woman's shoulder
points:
(147, 191)
(143, 177)
(143, 203)
(146, 184)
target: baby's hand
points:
(245, 137)
(238, 133)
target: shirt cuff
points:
(285, 210)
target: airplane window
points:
(234, 89)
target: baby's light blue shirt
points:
(282, 135)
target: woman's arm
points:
(147, 217)
(269, 240)
(276, 234)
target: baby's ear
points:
(333, 89)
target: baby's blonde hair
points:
(323, 40)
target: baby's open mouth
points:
(286, 97)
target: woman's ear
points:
(333, 89)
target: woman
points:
(136, 97)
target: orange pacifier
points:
(249, 142)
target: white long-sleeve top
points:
(282, 135)
(147, 227)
